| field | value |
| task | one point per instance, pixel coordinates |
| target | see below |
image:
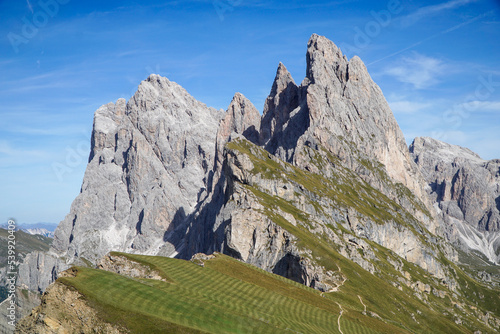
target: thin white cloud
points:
(418, 70)
(16, 153)
(407, 107)
(482, 106)
(443, 32)
(428, 11)
(29, 6)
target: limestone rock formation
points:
(262, 190)
(150, 164)
(120, 265)
(38, 270)
(170, 176)
(466, 190)
(283, 119)
(242, 118)
(340, 108)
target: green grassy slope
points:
(224, 296)
(388, 292)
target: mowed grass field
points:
(223, 296)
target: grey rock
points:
(38, 270)
(466, 190)
(283, 119)
(150, 164)
(123, 266)
(250, 234)
(343, 101)
(241, 118)
(340, 108)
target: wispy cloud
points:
(443, 32)
(482, 106)
(407, 107)
(7, 151)
(418, 70)
(29, 6)
(428, 11)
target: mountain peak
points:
(282, 80)
(242, 117)
(323, 55)
(282, 100)
(446, 152)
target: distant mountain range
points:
(45, 229)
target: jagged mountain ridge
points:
(466, 190)
(141, 149)
(326, 161)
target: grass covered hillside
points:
(223, 295)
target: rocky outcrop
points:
(121, 265)
(284, 119)
(466, 190)
(38, 270)
(267, 198)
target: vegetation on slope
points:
(400, 292)
(222, 296)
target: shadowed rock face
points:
(162, 180)
(284, 120)
(466, 190)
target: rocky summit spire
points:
(346, 108)
(242, 118)
(325, 60)
(281, 102)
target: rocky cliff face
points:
(151, 163)
(466, 190)
(326, 165)
(340, 108)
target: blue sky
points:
(437, 63)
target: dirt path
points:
(340, 316)
(361, 300)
